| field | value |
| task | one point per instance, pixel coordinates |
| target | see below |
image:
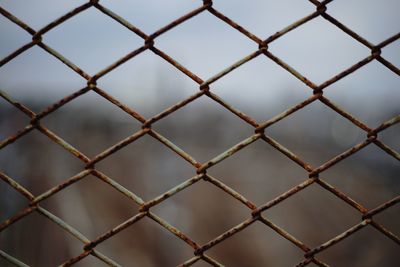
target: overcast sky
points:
(205, 45)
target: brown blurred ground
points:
(202, 211)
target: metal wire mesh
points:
(199, 169)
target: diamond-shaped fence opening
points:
(108, 209)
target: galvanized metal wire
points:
(89, 247)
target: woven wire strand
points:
(199, 169)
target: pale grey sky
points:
(205, 45)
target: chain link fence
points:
(255, 213)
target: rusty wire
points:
(200, 169)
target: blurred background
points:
(204, 129)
